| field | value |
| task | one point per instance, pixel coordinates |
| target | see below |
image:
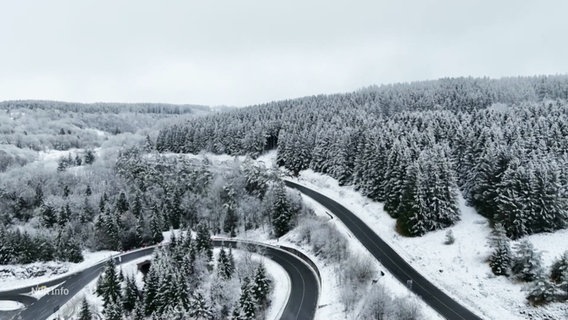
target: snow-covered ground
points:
(459, 269)
(331, 290)
(10, 305)
(18, 276)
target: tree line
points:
(415, 146)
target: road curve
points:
(302, 302)
(46, 306)
(432, 295)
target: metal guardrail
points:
(306, 259)
(291, 250)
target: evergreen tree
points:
(181, 290)
(120, 275)
(156, 227)
(198, 307)
(137, 206)
(203, 240)
(151, 286)
(260, 286)
(412, 219)
(541, 291)
(429, 197)
(48, 216)
(513, 200)
(482, 186)
(148, 144)
(247, 304)
(173, 209)
(500, 260)
(66, 191)
(231, 220)
(122, 203)
(130, 294)
(103, 202)
(165, 294)
(559, 269)
(85, 313)
(38, 198)
(89, 157)
(68, 249)
(281, 212)
(395, 177)
(224, 268)
(107, 231)
(138, 312)
(62, 164)
(141, 232)
(109, 287)
(527, 263)
(113, 311)
(64, 215)
(88, 212)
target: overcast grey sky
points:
(240, 52)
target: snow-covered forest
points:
(127, 203)
(78, 178)
(414, 146)
(79, 185)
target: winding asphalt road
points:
(432, 295)
(48, 304)
(302, 302)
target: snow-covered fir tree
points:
(260, 285)
(527, 262)
(501, 258)
(85, 313)
(108, 286)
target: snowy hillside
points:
(461, 269)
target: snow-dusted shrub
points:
(356, 272)
(377, 304)
(559, 269)
(542, 291)
(326, 241)
(406, 309)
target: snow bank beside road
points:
(6, 305)
(330, 298)
(459, 269)
(18, 276)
